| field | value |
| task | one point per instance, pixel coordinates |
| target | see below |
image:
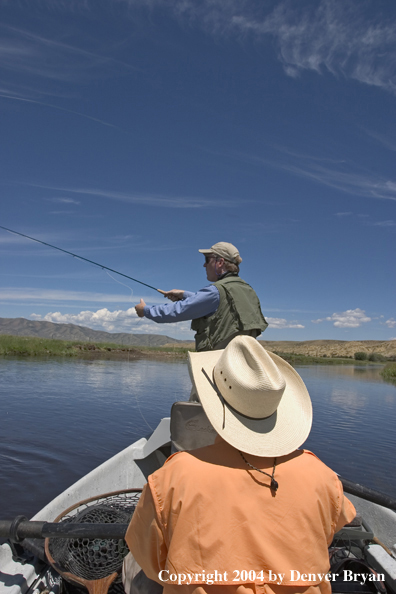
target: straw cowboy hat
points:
(254, 399)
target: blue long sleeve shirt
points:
(192, 306)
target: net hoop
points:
(83, 553)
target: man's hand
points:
(140, 308)
(174, 294)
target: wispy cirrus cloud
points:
(340, 175)
(7, 236)
(351, 318)
(355, 183)
(38, 56)
(363, 218)
(66, 200)
(27, 294)
(388, 223)
(332, 36)
(384, 140)
(159, 200)
(34, 67)
(78, 113)
(345, 39)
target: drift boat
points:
(28, 567)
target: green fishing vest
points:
(239, 311)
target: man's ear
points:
(220, 262)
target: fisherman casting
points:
(226, 308)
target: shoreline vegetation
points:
(31, 346)
(28, 346)
(389, 372)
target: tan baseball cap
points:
(225, 250)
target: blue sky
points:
(135, 132)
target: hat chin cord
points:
(274, 484)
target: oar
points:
(19, 528)
(368, 494)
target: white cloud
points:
(102, 318)
(281, 323)
(117, 321)
(351, 318)
(391, 323)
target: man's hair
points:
(231, 267)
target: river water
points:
(61, 418)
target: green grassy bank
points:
(294, 359)
(29, 346)
(389, 371)
(47, 347)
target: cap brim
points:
(206, 251)
(280, 434)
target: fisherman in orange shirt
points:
(251, 513)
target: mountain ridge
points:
(73, 332)
(60, 331)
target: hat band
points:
(224, 402)
(246, 416)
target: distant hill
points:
(332, 348)
(23, 327)
(314, 348)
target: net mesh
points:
(97, 558)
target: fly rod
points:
(85, 259)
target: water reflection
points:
(354, 423)
(61, 418)
(349, 400)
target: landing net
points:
(97, 558)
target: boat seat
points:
(189, 427)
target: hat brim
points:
(280, 434)
(206, 251)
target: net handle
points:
(93, 586)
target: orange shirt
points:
(205, 517)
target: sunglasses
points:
(209, 258)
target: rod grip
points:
(20, 528)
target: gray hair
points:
(231, 267)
